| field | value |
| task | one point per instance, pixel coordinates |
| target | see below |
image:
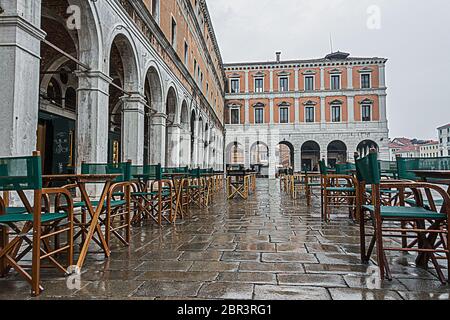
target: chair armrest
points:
(60, 192)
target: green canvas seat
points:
(16, 210)
(388, 191)
(406, 213)
(341, 189)
(45, 217)
(437, 202)
(114, 203)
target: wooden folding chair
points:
(337, 191)
(116, 216)
(428, 227)
(34, 229)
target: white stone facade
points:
(102, 23)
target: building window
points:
(186, 53)
(284, 84)
(335, 82)
(309, 83)
(366, 112)
(336, 113)
(174, 33)
(365, 81)
(235, 86)
(235, 116)
(259, 85)
(284, 115)
(259, 115)
(309, 114)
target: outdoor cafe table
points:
(94, 225)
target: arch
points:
(310, 153)
(184, 116)
(337, 153)
(285, 155)
(90, 35)
(123, 48)
(259, 154)
(365, 146)
(172, 141)
(153, 87)
(235, 154)
(193, 133)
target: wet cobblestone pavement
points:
(268, 247)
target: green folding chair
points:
(116, 216)
(33, 230)
(429, 228)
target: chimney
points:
(278, 56)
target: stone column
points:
(351, 109)
(246, 82)
(271, 80)
(185, 152)
(93, 117)
(272, 157)
(298, 159)
(322, 110)
(20, 37)
(247, 155)
(247, 111)
(133, 128)
(173, 146)
(158, 139)
(271, 121)
(383, 111)
(350, 77)
(201, 152)
(382, 76)
(297, 111)
(322, 78)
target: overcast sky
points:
(413, 34)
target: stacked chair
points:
(33, 226)
(426, 227)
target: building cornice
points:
(318, 63)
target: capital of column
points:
(93, 80)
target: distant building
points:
(430, 150)
(411, 148)
(444, 140)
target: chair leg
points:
(36, 259)
(380, 248)
(362, 234)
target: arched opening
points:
(123, 71)
(310, 156)
(153, 95)
(259, 158)
(235, 154)
(337, 153)
(285, 155)
(364, 147)
(171, 139)
(57, 94)
(185, 135)
(193, 135)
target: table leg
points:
(3, 243)
(94, 223)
